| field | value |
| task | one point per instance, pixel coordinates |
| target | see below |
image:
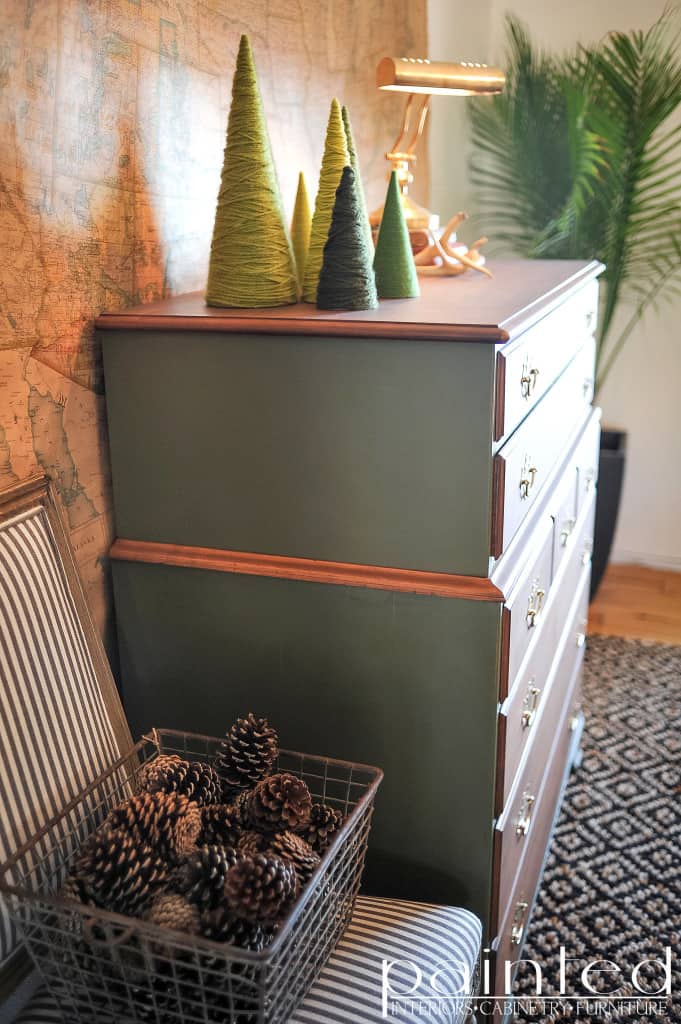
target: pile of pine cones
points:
(219, 850)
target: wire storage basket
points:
(105, 968)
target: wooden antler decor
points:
(443, 258)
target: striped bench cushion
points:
(55, 733)
(414, 939)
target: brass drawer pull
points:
(587, 386)
(529, 712)
(590, 318)
(586, 555)
(528, 381)
(525, 817)
(527, 477)
(534, 605)
(518, 927)
(580, 639)
(589, 480)
(568, 527)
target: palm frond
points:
(577, 159)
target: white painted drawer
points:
(527, 367)
(526, 463)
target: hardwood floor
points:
(640, 603)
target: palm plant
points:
(577, 159)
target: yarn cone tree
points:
(251, 257)
(354, 163)
(394, 260)
(347, 277)
(335, 158)
(300, 227)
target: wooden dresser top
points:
(466, 308)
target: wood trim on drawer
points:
(499, 396)
(498, 495)
(247, 563)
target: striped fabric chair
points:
(62, 724)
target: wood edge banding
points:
(499, 396)
(348, 574)
(319, 327)
(498, 493)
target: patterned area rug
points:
(612, 886)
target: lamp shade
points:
(415, 74)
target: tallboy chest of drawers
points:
(376, 528)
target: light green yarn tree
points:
(335, 158)
(354, 163)
(251, 258)
(301, 223)
(394, 260)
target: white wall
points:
(643, 393)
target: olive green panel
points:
(402, 681)
(353, 450)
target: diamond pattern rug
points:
(612, 885)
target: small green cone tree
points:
(251, 258)
(396, 276)
(354, 163)
(335, 158)
(346, 280)
(301, 223)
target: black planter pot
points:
(610, 477)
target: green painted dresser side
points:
(360, 450)
(403, 681)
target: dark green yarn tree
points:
(394, 260)
(251, 258)
(347, 277)
(354, 163)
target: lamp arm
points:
(421, 117)
(421, 124)
(404, 126)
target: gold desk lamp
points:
(424, 78)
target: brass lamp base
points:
(418, 218)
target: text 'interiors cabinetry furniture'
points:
(376, 528)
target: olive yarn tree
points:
(347, 278)
(394, 260)
(354, 163)
(301, 223)
(251, 258)
(335, 158)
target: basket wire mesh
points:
(117, 970)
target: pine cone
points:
(172, 910)
(241, 808)
(248, 752)
(202, 879)
(169, 822)
(118, 872)
(188, 830)
(251, 843)
(260, 889)
(280, 803)
(294, 850)
(221, 925)
(324, 823)
(221, 825)
(169, 773)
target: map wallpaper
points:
(112, 125)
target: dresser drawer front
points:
(565, 516)
(515, 830)
(522, 713)
(526, 606)
(516, 908)
(528, 367)
(526, 462)
(587, 464)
